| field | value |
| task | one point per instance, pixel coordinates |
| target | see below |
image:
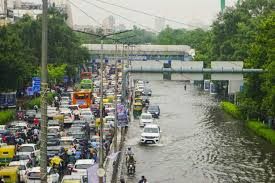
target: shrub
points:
(262, 130)
(6, 116)
(36, 101)
(231, 109)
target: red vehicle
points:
(86, 75)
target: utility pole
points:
(101, 113)
(44, 87)
(116, 83)
(5, 12)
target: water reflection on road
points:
(199, 142)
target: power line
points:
(125, 18)
(84, 12)
(148, 14)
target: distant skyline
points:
(199, 13)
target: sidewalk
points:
(108, 164)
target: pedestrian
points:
(143, 180)
(122, 180)
(185, 87)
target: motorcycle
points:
(131, 169)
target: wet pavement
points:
(199, 142)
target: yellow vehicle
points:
(137, 109)
(7, 152)
(111, 98)
(138, 93)
(60, 118)
(106, 100)
(138, 100)
(10, 174)
(66, 142)
(97, 122)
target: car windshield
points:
(82, 166)
(52, 151)
(146, 117)
(26, 149)
(23, 157)
(71, 181)
(78, 136)
(34, 175)
(153, 108)
(151, 130)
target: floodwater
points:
(199, 142)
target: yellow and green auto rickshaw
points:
(10, 174)
(137, 109)
(138, 93)
(138, 100)
(7, 152)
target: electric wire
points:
(146, 13)
(125, 18)
(84, 12)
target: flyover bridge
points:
(142, 52)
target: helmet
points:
(129, 148)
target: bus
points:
(86, 75)
(82, 98)
(86, 84)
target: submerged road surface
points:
(199, 142)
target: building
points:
(121, 27)
(159, 24)
(108, 24)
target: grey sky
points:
(188, 11)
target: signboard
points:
(206, 85)
(122, 117)
(36, 84)
(29, 91)
(213, 89)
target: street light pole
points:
(101, 112)
(44, 87)
(116, 83)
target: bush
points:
(36, 101)
(231, 109)
(262, 130)
(6, 116)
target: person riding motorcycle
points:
(56, 162)
(131, 161)
(129, 153)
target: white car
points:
(81, 165)
(28, 149)
(150, 134)
(33, 175)
(145, 118)
(23, 169)
(87, 116)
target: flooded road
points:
(199, 142)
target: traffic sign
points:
(36, 84)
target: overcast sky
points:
(194, 12)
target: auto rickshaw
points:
(97, 122)
(137, 109)
(60, 118)
(7, 152)
(138, 93)
(106, 100)
(138, 100)
(10, 174)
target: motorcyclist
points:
(131, 161)
(57, 162)
(129, 153)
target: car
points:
(53, 123)
(30, 115)
(25, 158)
(150, 134)
(145, 118)
(33, 175)
(79, 136)
(147, 92)
(87, 116)
(78, 123)
(2, 127)
(23, 169)
(52, 151)
(154, 110)
(54, 129)
(81, 166)
(66, 142)
(73, 179)
(28, 149)
(53, 139)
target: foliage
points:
(231, 109)
(56, 73)
(36, 101)
(20, 48)
(262, 130)
(6, 116)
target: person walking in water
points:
(185, 87)
(142, 180)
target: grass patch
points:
(262, 130)
(231, 109)
(6, 116)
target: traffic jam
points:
(73, 136)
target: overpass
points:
(143, 52)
